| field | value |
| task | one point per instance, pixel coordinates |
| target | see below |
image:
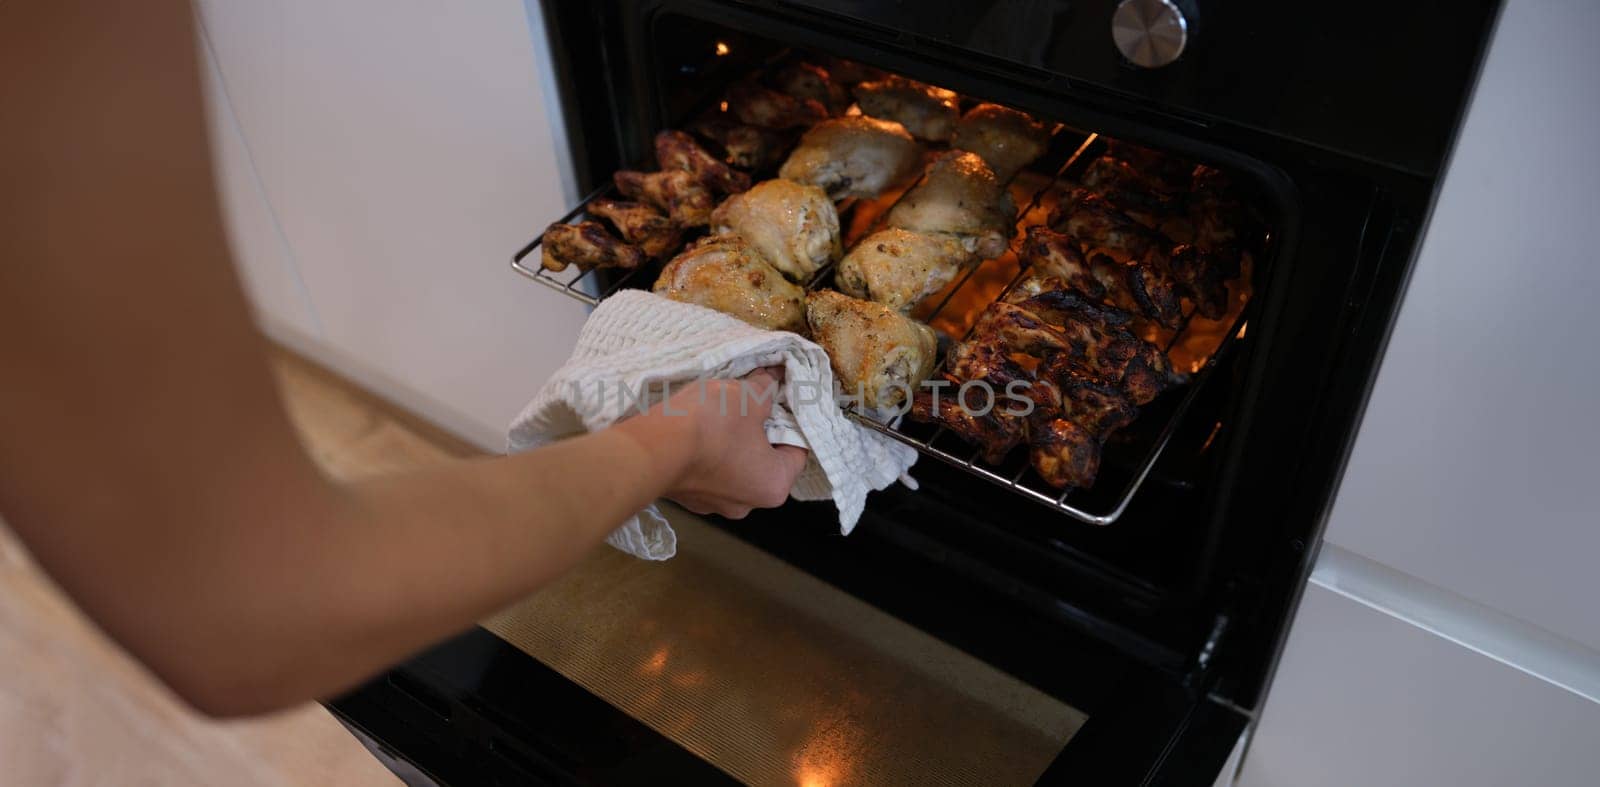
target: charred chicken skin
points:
(926, 111)
(641, 225)
(876, 352)
(854, 157)
(960, 195)
(806, 81)
(686, 200)
(676, 150)
(759, 105)
(898, 268)
(587, 245)
(994, 431)
(1007, 140)
(1135, 270)
(723, 272)
(795, 226)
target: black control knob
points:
(1150, 33)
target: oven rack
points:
(1091, 506)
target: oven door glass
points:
(775, 677)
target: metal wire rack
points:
(1130, 460)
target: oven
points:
(986, 627)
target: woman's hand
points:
(714, 430)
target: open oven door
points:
(727, 664)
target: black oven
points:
(1156, 608)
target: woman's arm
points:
(145, 457)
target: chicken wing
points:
(587, 245)
(723, 272)
(1006, 139)
(640, 224)
(926, 111)
(876, 352)
(806, 81)
(684, 198)
(794, 226)
(676, 150)
(898, 268)
(762, 106)
(853, 157)
(960, 195)
(1062, 452)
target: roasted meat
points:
(676, 150)
(1006, 139)
(723, 272)
(876, 352)
(747, 147)
(1135, 271)
(898, 268)
(640, 224)
(1139, 196)
(686, 200)
(1171, 172)
(587, 245)
(1050, 254)
(1204, 277)
(854, 157)
(1064, 326)
(1062, 452)
(993, 430)
(926, 111)
(793, 225)
(806, 81)
(1097, 407)
(759, 105)
(848, 72)
(960, 195)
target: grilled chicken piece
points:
(1140, 197)
(993, 430)
(684, 198)
(1064, 327)
(676, 150)
(725, 273)
(806, 81)
(747, 147)
(1007, 140)
(1062, 452)
(1171, 172)
(640, 224)
(793, 225)
(898, 268)
(1204, 277)
(1099, 408)
(875, 351)
(1135, 269)
(1053, 255)
(849, 72)
(853, 157)
(587, 245)
(960, 195)
(926, 111)
(762, 106)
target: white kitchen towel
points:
(636, 341)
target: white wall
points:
(1473, 655)
(381, 160)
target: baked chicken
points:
(876, 352)
(960, 195)
(747, 147)
(1129, 259)
(1148, 285)
(793, 225)
(640, 225)
(1062, 325)
(994, 430)
(926, 111)
(676, 150)
(810, 82)
(759, 105)
(587, 245)
(853, 157)
(686, 200)
(898, 268)
(725, 273)
(1006, 139)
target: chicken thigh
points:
(723, 272)
(926, 111)
(960, 195)
(853, 157)
(794, 226)
(898, 268)
(1006, 139)
(876, 352)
